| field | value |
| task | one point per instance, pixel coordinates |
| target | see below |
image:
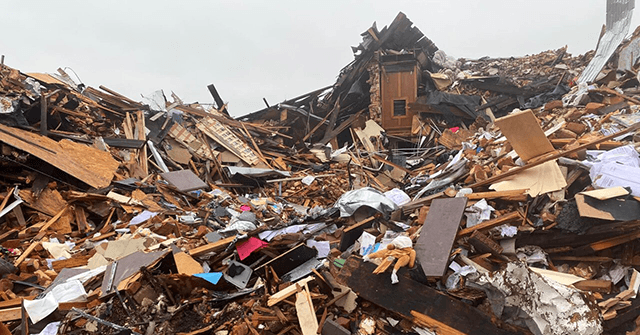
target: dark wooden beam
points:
(217, 98)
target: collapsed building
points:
(419, 194)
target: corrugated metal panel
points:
(619, 14)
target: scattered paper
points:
(323, 247)
(367, 243)
(478, 212)
(398, 196)
(39, 309)
(142, 217)
(308, 180)
(50, 329)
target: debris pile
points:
(419, 194)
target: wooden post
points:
(43, 114)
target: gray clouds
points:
(271, 49)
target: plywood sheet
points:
(438, 233)
(94, 167)
(525, 135)
(611, 209)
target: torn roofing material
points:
(619, 14)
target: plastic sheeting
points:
(351, 201)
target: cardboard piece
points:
(120, 248)
(612, 209)
(438, 233)
(186, 264)
(606, 193)
(540, 179)
(525, 135)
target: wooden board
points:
(215, 246)
(410, 295)
(306, 314)
(94, 167)
(525, 135)
(436, 239)
(219, 133)
(287, 291)
(10, 314)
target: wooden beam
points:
(306, 313)
(515, 195)
(217, 98)
(321, 122)
(409, 295)
(43, 114)
(43, 229)
(287, 291)
(11, 314)
(209, 247)
(25, 254)
(490, 223)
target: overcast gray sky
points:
(273, 49)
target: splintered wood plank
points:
(142, 153)
(94, 167)
(513, 195)
(438, 233)
(215, 246)
(433, 324)
(10, 314)
(221, 134)
(306, 314)
(409, 295)
(491, 223)
(525, 135)
(287, 291)
(25, 254)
